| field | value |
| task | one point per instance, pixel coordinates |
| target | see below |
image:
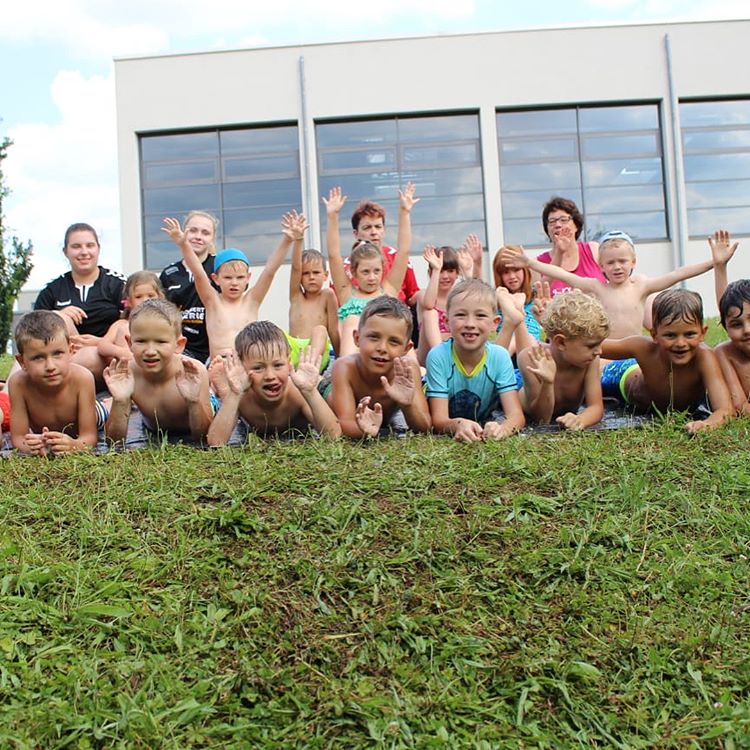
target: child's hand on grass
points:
(498, 430)
(58, 443)
(35, 444)
(570, 421)
(467, 431)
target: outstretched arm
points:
(474, 247)
(659, 283)
(407, 201)
(306, 377)
(434, 258)
(293, 226)
(722, 251)
(192, 383)
(716, 388)
(592, 396)
(343, 401)
(583, 283)
(202, 283)
(230, 381)
(121, 384)
(334, 203)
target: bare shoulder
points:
(81, 376)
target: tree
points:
(15, 263)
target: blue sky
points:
(57, 89)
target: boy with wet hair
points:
(672, 370)
(53, 407)
(561, 375)
(468, 378)
(258, 384)
(368, 388)
(313, 319)
(734, 355)
(234, 305)
(625, 295)
(169, 389)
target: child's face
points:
(232, 280)
(372, 229)
(200, 235)
(154, 343)
(369, 274)
(448, 278)
(140, 293)
(268, 371)
(738, 327)
(513, 279)
(313, 277)
(578, 352)
(617, 262)
(679, 339)
(47, 364)
(380, 340)
(82, 251)
(471, 320)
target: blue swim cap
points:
(231, 253)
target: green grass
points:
(544, 592)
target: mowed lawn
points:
(546, 591)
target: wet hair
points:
(475, 288)
(79, 227)
(314, 256)
(367, 208)
(556, 203)
(499, 268)
(43, 325)
(158, 308)
(138, 279)
(576, 315)
(735, 295)
(363, 250)
(677, 304)
(387, 307)
(263, 335)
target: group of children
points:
(460, 381)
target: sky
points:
(57, 100)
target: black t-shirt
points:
(179, 287)
(101, 301)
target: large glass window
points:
(247, 178)
(607, 159)
(716, 153)
(372, 159)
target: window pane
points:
(716, 140)
(177, 200)
(557, 121)
(258, 141)
(597, 147)
(433, 155)
(640, 226)
(549, 149)
(355, 133)
(703, 222)
(718, 194)
(176, 147)
(336, 161)
(261, 167)
(622, 172)
(527, 232)
(529, 203)
(262, 192)
(559, 177)
(448, 128)
(717, 167)
(598, 119)
(179, 173)
(624, 199)
(715, 114)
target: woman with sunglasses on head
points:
(563, 223)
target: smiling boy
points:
(674, 369)
(467, 377)
(259, 385)
(734, 355)
(371, 385)
(170, 390)
(52, 400)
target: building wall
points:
(477, 73)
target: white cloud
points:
(66, 172)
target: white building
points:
(646, 127)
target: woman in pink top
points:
(563, 223)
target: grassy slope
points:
(579, 590)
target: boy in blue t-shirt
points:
(467, 377)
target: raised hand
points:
(294, 225)
(119, 379)
(335, 201)
(228, 375)
(174, 230)
(306, 376)
(542, 298)
(474, 246)
(406, 197)
(368, 420)
(401, 388)
(721, 248)
(433, 257)
(465, 262)
(516, 258)
(541, 364)
(188, 380)
(73, 313)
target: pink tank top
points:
(587, 268)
